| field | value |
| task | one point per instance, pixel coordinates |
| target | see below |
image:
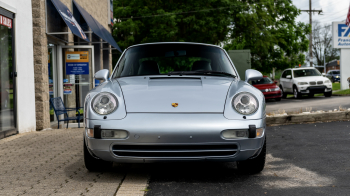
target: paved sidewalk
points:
(51, 163)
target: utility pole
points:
(310, 11)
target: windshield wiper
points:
(200, 73)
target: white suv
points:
(304, 81)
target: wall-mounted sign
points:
(5, 21)
(111, 13)
(77, 63)
(341, 35)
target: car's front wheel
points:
(296, 94)
(93, 164)
(284, 95)
(253, 165)
(328, 94)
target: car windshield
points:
(174, 59)
(306, 72)
(264, 80)
(336, 72)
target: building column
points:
(42, 105)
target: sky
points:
(333, 10)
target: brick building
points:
(64, 29)
(50, 48)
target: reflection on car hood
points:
(191, 93)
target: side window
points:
(120, 68)
(289, 72)
(284, 75)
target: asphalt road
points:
(307, 159)
(317, 103)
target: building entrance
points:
(75, 76)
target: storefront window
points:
(7, 121)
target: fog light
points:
(230, 134)
(259, 132)
(114, 134)
(90, 132)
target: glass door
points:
(77, 76)
(52, 77)
(7, 82)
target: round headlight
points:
(245, 103)
(104, 103)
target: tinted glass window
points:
(160, 59)
(336, 72)
(264, 80)
(306, 72)
(284, 75)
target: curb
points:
(307, 118)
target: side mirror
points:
(323, 74)
(102, 75)
(251, 74)
(276, 82)
(289, 77)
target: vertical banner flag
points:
(77, 63)
(348, 18)
(69, 19)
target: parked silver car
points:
(175, 102)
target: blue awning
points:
(96, 27)
(69, 19)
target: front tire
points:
(254, 165)
(296, 94)
(93, 164)
(328, 94)
(284, 95)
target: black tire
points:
(328, 94)
(278, 99)
(284, 95)
(93, 164)
(311, 95)
(253, 165)
(296, 94)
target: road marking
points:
(287, 175)
(135, 182)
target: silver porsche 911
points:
(175, 102)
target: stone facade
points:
(40, 65)
(98, 9)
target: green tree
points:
(268, 28)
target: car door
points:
(283, 79)
(289, 81)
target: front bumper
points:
(314, 89)
(193, 137)
(272, 94)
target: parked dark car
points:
(268, 88)
(333, 75)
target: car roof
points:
(155, 43)
(300, 68)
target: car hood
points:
(192, 94)
(310, 78)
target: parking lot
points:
(307, 159)
(316, 103)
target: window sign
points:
(6, 21)
(77, 63)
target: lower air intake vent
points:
(174, 150)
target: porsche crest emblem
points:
(174, 105)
